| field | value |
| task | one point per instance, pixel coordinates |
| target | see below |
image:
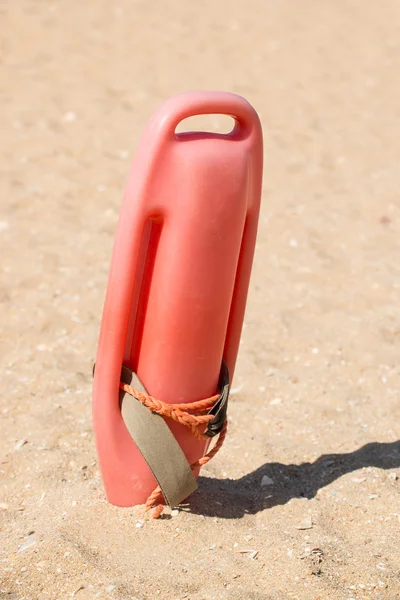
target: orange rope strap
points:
(193, 416)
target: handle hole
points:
(214, 123)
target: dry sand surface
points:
(303, 501)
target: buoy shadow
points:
(232, 499)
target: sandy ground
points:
(315, 405)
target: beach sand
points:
(303, 501)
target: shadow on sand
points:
(231, 499)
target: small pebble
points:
(29, 543)
(393, 476)
(81, 587)
(276, 401)
(174, 512)
(3, 506)
(266, 481)
(19, 444)
(139, 524)
(305, 524)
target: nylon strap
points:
(157, 444)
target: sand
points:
(303, 501)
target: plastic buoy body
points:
(179, 275)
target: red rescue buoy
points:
(178, 280)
